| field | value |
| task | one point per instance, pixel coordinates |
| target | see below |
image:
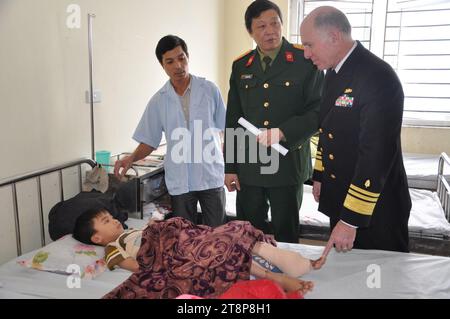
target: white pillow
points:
(57, 256)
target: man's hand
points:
(342, 237)
(124, 163)
(232, 182)
(316, 190)
(269, 137)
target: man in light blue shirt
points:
(191, 113)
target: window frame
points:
(377, 45)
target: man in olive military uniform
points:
(359, 177)
(274, 88)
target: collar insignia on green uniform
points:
(246, 76)
(250, 61)
(289, 56)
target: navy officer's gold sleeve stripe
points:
(358, 206)
(363, 197)
(364, 192)
(315, 140)
(318, 166)
(361, 201)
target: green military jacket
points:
(287, 97)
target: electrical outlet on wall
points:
(97, 96)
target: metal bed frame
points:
(443, 193)
(12, 183)
(141, 184)
(443, 188)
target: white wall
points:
(44, 72)
(426, 140)
(237, 40)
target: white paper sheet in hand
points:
(254, 130)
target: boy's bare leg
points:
(289, 262)
(288, 283)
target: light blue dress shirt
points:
(194, 159)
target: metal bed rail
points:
(12, 182)
(443, 187)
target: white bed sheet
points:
(19, 282)
(421, 170)
(402, 275)
(426, 216)
(421, 165)
(343, 276)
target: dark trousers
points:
(253, 202)
(212, 202)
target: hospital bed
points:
(422, 170)
(363, 273)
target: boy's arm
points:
(115, 258)
(129, 264)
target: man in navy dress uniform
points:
(359, 177)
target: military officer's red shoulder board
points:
(250, 60)
(289, 56)
(242, 55)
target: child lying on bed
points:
(176, 256)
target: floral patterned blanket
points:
(177, 257)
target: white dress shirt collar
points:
(338, 67)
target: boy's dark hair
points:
(84, 226)
(256, 8)
(167, 43)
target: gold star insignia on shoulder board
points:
(367, 183)
(348, 90)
